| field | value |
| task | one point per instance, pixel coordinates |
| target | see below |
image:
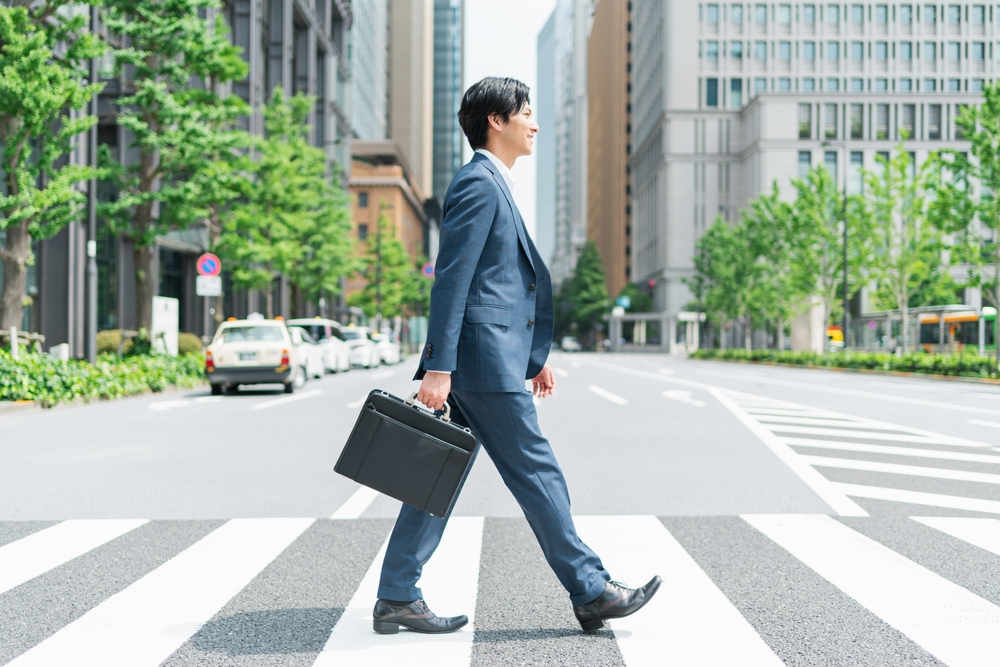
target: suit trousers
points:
(506, 425)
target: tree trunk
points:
(269, 302)
(296, 297)
(214, 232)
(15, 276)
(904, 309)
(747, 334)
(145, 286)
(781, 336)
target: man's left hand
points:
(544, 384)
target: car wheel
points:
(216, 389)
(301, 378)
(289, 387)
(233, 389)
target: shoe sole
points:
(598, 623)
(389, 628)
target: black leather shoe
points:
(414, 616)
(617, 601)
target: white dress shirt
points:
(504, 171)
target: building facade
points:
(448, 72)
(729, 97)
(609, 137)
(369, 37)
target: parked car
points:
(364, 351)
(310, 352)
(254, 351)
(570, 344)
(389, 350)
(336, 351)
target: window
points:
(954, 51)
(881, 50)
(881, 85)
(830, 162)
(881, 14)
(712, 13)
(809, 13)
(857, 84)
(784, 84)
(712, 50)
(805, 162)
(736, 50)
(833, 13)
(760, 85)
(832, 85)
(930, 85)
(978, 51)
(830, 121)
(906, 14)
(959, 110)
(857, 50)
(908, 120)
(784, 14)
(954, 85)
(736, 93)
(905, 50)
(808, 85)
(906, 85)
(362, 232)
(736, 14)
(934, 121)
(930, 14)
(881, 160)
(805, 121)
(760, 14)
(954, 14)
(976, 85)
(362, 200)
(857, 121)
(809, 50)
(784, 50)
(712, 92)
(930, 51)
(979, 14)
(854, 173)
(760, 50)
(833, 50)
(857, 14)
(881, 121)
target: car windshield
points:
(353, 334)
(258, 332)
(317, 331)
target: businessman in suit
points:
(490, 329)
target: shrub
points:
(188, 343)
(109, 340)
(964, 365)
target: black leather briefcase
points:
(408, 453)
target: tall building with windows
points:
(448, 64)
(729, 97)
(369, 38)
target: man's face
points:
(518, 134)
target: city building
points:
(561, 106)
(369, 36)
(609, 130)
(448, 69)
(729, 97)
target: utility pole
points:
(91, 332)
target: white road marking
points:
(954, 625)
(983, 533)
(683, 397)
(160, 406)
(354, 405)
(604, 393)
(666, 371)
(919, 498)
(450, 580)
(900, 469)
(980, 422)
(142, 625)
(873, 435)
(893, 450)
(789, 412)
(356, 505)
(287, 399)
(811, 420)
(383, 375)
(836, 499)
(36, 554)
(560, 372)
(684, 622)
(208, 399)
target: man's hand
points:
(544, 384)
(434, 390)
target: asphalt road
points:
(798, 517)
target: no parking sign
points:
(209, 282)
(209, 265)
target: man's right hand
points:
(434, 389)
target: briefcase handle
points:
(446, 417)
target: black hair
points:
(501, 96)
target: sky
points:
(501, 40)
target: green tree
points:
(641, 302)
(905, 241)
(164, 44)
(40, 78)
(589, 291)
(722, 263)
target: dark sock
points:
(397, 603)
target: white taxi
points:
(253, 351)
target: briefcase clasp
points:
(446, 417)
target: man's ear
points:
(495, 121)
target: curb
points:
(17, 407)
(864, 371)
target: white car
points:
(364, 351)
(255, 351)
(336, 351)
(389, 351)
(570, 344)
(310, 352)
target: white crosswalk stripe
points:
(690, 622)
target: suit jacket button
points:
(531, 286)
(531, 323)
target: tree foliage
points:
(588, 292)
(41, 69)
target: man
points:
(489, 330)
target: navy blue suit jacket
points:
(491, 318)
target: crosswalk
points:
(185, 609)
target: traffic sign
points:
(209, 265)
(625, 301)
(208, 285)
(428, 269)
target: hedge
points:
(49, 381)
(965, 365)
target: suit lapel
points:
(522, 236)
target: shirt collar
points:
(504, 171)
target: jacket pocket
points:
(488, 315)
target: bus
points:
(961, 331)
